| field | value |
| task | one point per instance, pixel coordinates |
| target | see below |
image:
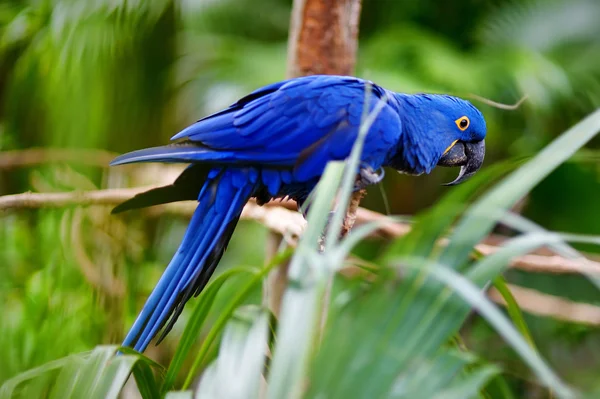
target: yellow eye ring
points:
(463, 123)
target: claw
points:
(368, 176)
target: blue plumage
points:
(220, 203)
(276, 142)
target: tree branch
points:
(282, 218)
(66, 199)
(541, 304)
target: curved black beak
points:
(469, 156)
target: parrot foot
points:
(368, 176)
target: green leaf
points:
(114, 377)
(236, 372)
(100, 374)
(368, 350)
(476, 299)
(469, 386)
(8, 387)
(194, 326)
(514, 311)
(180, 395)
(227, 313)
(91, 372)
(145, 381)
(299, 305)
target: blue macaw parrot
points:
(275, 143)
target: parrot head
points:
(449, 132)
(467, 130)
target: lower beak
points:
(469, 156)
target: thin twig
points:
(36, 156)
(66, 199)
(491, 103)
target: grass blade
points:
(114, 377)
(92, 370)
(237, 370)
(226, 314)
(194, 326)
(514, 311)
(145, 381)
(478, 301)
(468, 386)
(299, 305)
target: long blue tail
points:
(220, 203)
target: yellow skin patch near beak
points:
(450, 147)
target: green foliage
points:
(120, 75)
(97, 374)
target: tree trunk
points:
(323, 39)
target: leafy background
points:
(121, 75)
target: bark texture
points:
(323, 37)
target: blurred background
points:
(113, 76)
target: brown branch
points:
(36, 156)
(351, 213)
(287, 223)
(541, 304)
(282, 218)
(546, 263)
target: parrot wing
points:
(300, 123)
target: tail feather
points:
(173, 153)
(184, 276)
(220, 203)
(201, 279)
(194, 152)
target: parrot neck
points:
(413, 155)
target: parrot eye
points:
(462, 123)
